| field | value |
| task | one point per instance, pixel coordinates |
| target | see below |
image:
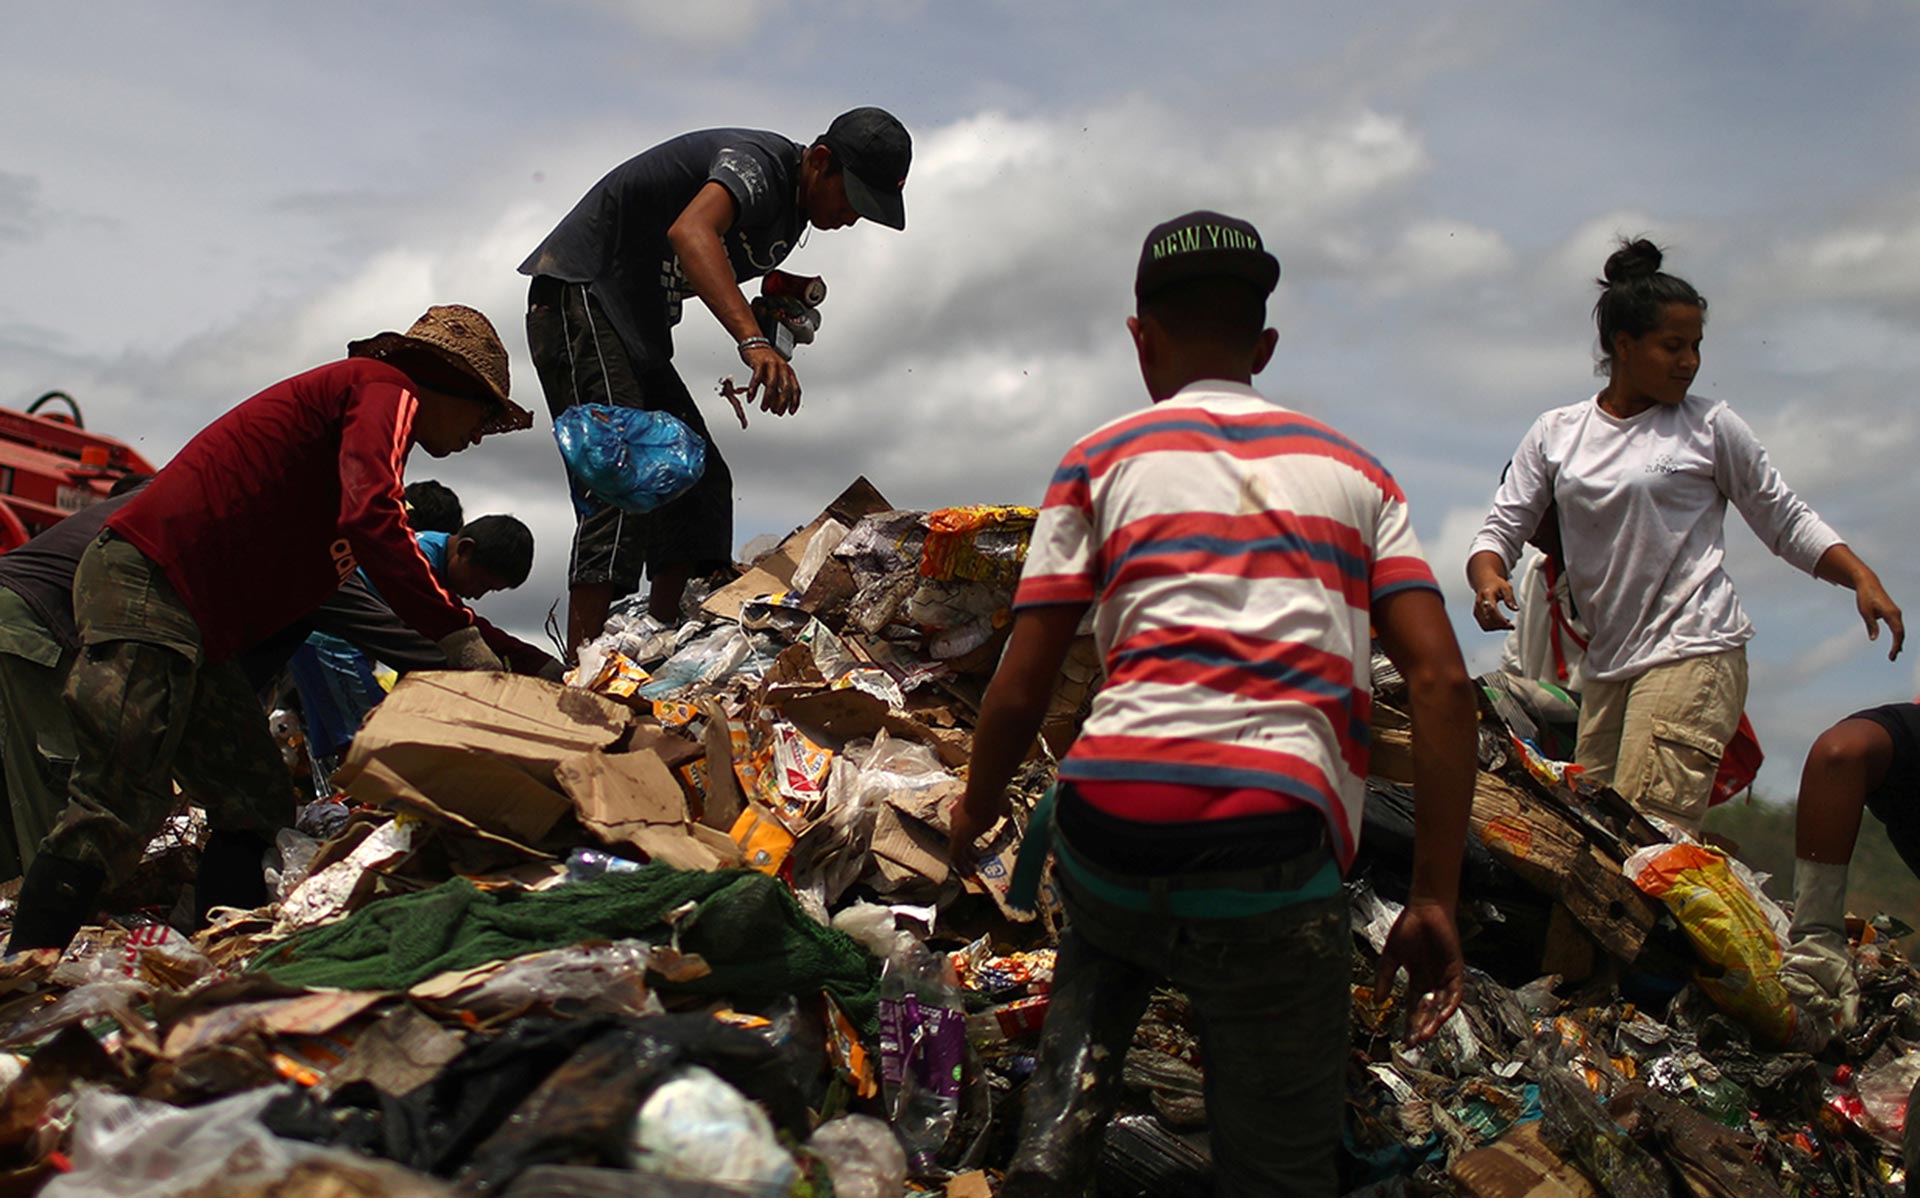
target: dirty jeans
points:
(1270, 1000)
(146, 708)
(1657, 737)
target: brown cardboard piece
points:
(833, 717)
(398, 1054)
(307, 1015)
(970, 1185)
(634, 799)
(910, 838)
(774, 572)
(724, 800)
(1518, 1165)
(479, 746)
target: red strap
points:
(1562, 623)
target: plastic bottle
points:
(584, 865)
(923, 1045)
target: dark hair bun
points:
(1635, 259)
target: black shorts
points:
(1896, 803)
(580, 359)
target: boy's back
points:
(1234, 550)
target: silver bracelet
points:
(752, 343)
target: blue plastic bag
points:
(627, 458)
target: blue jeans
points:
(1271, 1002)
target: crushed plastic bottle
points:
(923, 1046)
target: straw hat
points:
(463, 339)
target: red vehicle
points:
(51, 467)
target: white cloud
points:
(1435, 252)
(708, 23)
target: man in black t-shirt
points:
(697, 216)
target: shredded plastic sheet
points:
(135, 1148)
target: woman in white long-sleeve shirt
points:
(1642, 473)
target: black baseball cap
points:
(873, 148)
(1204, 245)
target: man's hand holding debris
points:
(695, 237)
(1413, 629)
(1010, 717)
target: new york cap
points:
(1202, 245)
(874, 149)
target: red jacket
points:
(261, 516)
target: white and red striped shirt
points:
(1234, 551)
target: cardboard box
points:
(480, 746)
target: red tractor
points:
(51, 467)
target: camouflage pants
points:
(36, 735)
(148, 708)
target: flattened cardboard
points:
(634, 799)
(724, 800)
(398, 1054)
(910, 839)
(395, 791)
(774, 572)
(834, 717)
(617, 793)
(480, 746)
(308, 1015)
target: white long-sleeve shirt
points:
(1643, 506)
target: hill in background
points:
(1763, 829)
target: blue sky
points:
(198, 200)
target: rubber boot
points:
(231, 874)
(1817, 966)
(56, 898)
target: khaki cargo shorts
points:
(1657, 738)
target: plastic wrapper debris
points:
(863, 1158)
(321, 818)
(1575, 1125)
(1729, 928)
(834, 851)
(958, 617)
(112, 997)
(134, 1148)
(608, 672)
(870, 924)
(585, 979)
(981, 543)
(1140, 1158)
(584, 865)
(297, 851)
(718, 654)
(629, 458)
(697, 1127)
(328, 894)
(1884, 1093)
(819, 549)
(923, 1046)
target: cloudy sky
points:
(197, 200)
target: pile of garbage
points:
(686, 926)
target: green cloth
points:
(746, 925)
